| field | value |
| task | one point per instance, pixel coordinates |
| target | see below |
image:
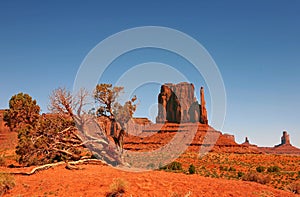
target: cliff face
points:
(178, 104)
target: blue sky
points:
(256, 45)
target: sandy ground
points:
(95, 180)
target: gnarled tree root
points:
(47, 166)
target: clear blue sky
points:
(256, 45)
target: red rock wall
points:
(178, 104)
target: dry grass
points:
(256, 177)
(117, 188)
(294, 187)
(7, 182)
(278, 171)
(2, 160)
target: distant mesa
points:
(285, 147)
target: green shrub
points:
(223, 168)
(232, 169)
(273, 169)
(174, 166)
(117, 188)
(192, 169)
(7, 182)
(260, 169)
(240, 174)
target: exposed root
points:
(69, 165)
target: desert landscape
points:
(149, 98)
(211, 164)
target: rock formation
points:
(203, 112)
(177, 104)
(246, 140)
(285, 139)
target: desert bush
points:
(240, 174)
(192, 169)
(260, 169)
(223, 168)
(150, 166)
(174, 166)
(2, 160)
(255, 177)
(23, 110)
(7, 182)
(294, 187)
(117, 188)
(273, 169)
(41, 138)
(231, 169)
(52, 139)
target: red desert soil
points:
(95, 180)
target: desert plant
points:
(2, 160)
(294, 187)
(240, 174)
(117, 188)
(231, 169)
(223, 168)
(192, 169)
(23, 110)
(273, 169)
(150, 166)
(260, 169)
(7, 182)
(174, 166)
(255, 177)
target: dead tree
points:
(88, 131)
(119, 139)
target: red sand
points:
(94, 180)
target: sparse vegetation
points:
(174, 166)
(2, 160)
(117, 188)
(192, 169)
(151, 166)
(273, 169)
(248, 167)
(294, 187)
(240, 174)
(260, 169)
(7, 182)
(255, 177)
